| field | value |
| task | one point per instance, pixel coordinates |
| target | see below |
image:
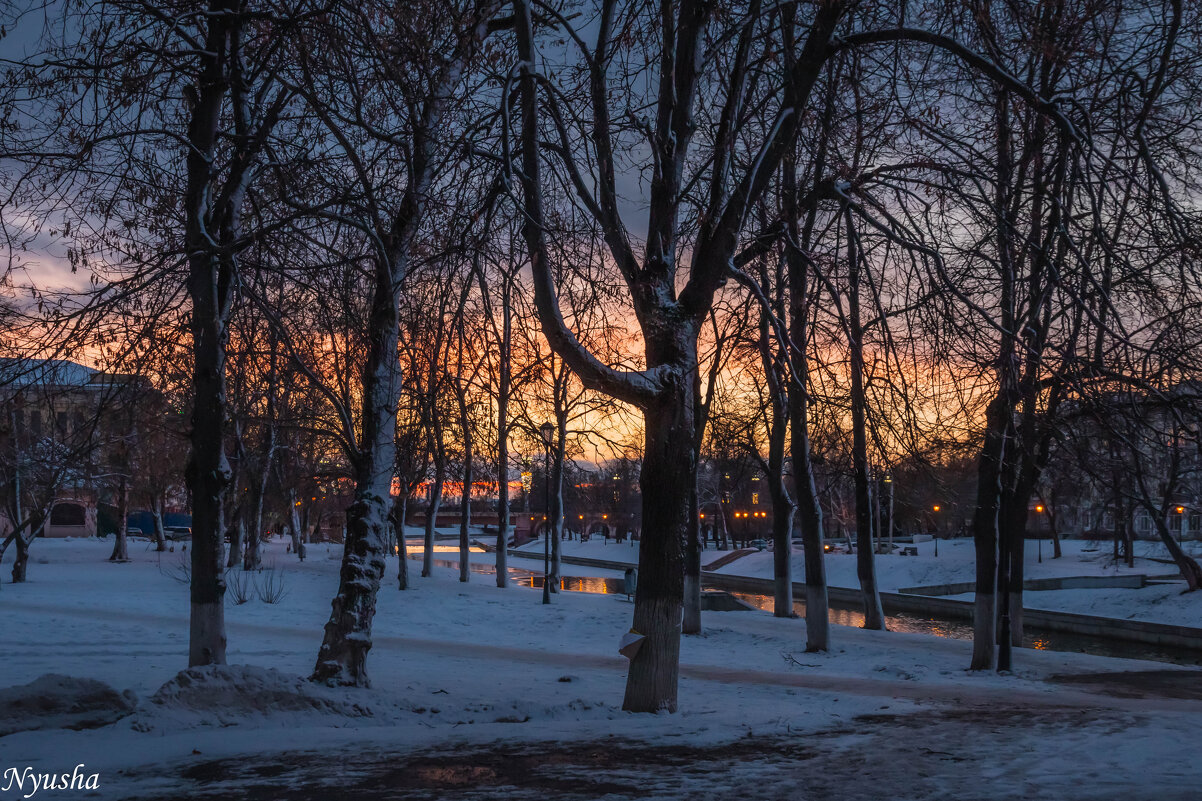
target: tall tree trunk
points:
(669, 472)
(804, 486)
(208, 472)
(874, 616)
(999, 418)
(782, 504)
(985, 532)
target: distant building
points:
(67, 433)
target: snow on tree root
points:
(226, 695)
(54, 701)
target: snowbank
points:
(228, 695)
(54, 701)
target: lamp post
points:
(889, 486)
(547, 430)
(1039, 530)
(937, 509)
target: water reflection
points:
(528, 578)
(844, 615)
(851, 616)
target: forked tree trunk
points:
(668, 475)
(804, 487)
(21, 557)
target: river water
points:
(846, 615)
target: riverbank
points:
(952, 561)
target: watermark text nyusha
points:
(25, 780)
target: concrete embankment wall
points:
(1035, 585)
(1115, 628)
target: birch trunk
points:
(160, 533)
(342, 659)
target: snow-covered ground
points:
(1162, 603)
(472, 682)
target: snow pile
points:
(54, 701)
(228, 695)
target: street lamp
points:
(1039, 531)
(547, 430)
(889, 485)
(936, 508)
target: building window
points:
(1143, 523)
(755, 499)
